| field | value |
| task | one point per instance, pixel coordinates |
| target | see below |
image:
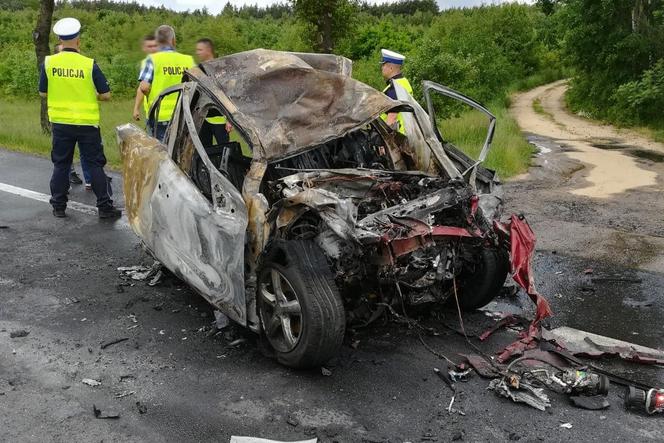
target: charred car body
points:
(325, 215)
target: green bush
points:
(367, 70)
(641, 101)
(122, 74)
(18, 72)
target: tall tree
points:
(40, 37)
(328, 20)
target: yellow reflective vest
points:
(72, 95)
(169, 66)
(404, 83)
(218, 120)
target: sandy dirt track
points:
(610, 170)
(593, 191)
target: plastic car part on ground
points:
(521, 392)
(587, 344)
(522, 249)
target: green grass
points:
(510, 152)
(654, 133)
(20, 130)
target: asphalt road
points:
(58, 280)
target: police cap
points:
(67, 28)
(391, 57)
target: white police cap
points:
(392, 57)
(67, 28)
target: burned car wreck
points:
(322, 215)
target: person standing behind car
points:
(73, 86)
(216, 125)
(74, 179)
(149, 46)
(162, 70)
(390, 67)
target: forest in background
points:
(480, 51)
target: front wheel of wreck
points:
(482, 280)
(301, 311)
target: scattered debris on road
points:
(19, 333)
(152, 273)
(91, 382)
(628, 301)
(594, 403)
(142, 409)
(651, 401)
(586, 344)
(237, 342)
(520, 391)
(113, 342)
(292, 420)
(98, 414)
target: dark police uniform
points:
(72, 83)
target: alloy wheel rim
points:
(281, 312)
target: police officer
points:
(74, 179)
(391, 63)
(162, 70)
(148, 46)
(73, 85)
(216, 125)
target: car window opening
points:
(228, 152)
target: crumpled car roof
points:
(293, 101)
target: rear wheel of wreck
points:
(301, 311)
(482, 281)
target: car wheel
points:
(480, 285)
(301, 311)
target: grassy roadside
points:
(510, 154)
(20, 130)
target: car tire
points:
(314, 330)
(479, 286)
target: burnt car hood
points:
(291, 101)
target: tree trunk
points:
(641, 14)
(40, 37)
(326, 31)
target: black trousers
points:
(90, 147)
(208, 130)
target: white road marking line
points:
(76, 206)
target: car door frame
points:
(199, 240)
(429, 86)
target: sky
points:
(215, 6)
